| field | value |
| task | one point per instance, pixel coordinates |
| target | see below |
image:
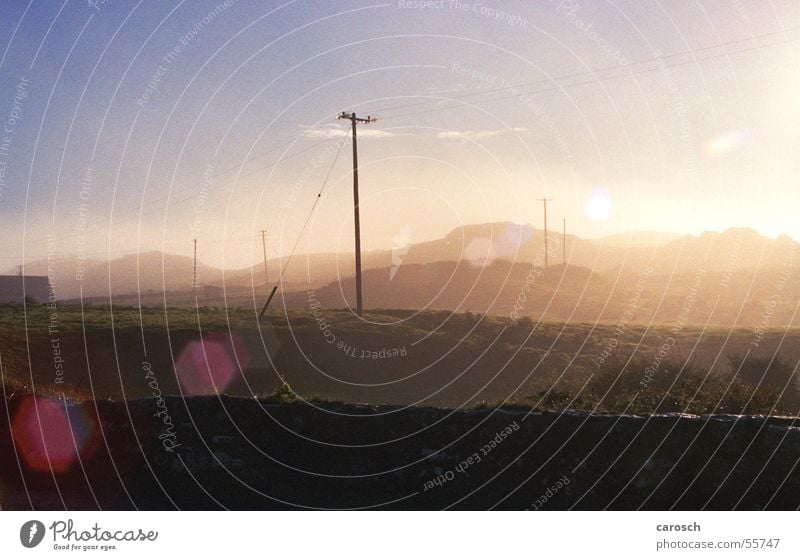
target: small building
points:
(14, 289)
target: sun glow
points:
(599, 206)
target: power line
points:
(303, 229)
(131, 212)
(132, 215)
(354, 121)
(582, 83)
(604, 69)
(262, 154)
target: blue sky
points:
(683, 116)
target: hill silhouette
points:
(728, 277)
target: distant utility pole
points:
(194, 268)
(353, 123)
(264, 245)
(564, 243)
(545, 200)
(19, 270)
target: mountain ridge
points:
(476, 245)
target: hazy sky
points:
(132, 127)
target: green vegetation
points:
(430, 358)
(675, 387)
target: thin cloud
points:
(478, 134)
(337, 132)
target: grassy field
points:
(396, 356)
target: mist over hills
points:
(154, 272)
(576, 294)
(733, 277)
(638, 239)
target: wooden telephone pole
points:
(353, 123)
(194, 267)
(545, 200)
(264, 245)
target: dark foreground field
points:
(208, 408)
(244, 454)
(431, 358)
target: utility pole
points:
(545, 200)
(264, 245)
(353, 123)
(564, 243)
(194, 268)
(19, 270)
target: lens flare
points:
(513, 236)
(208, 366)
(480, 251)
(599, 206)
(50, 435)
(723, 144)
